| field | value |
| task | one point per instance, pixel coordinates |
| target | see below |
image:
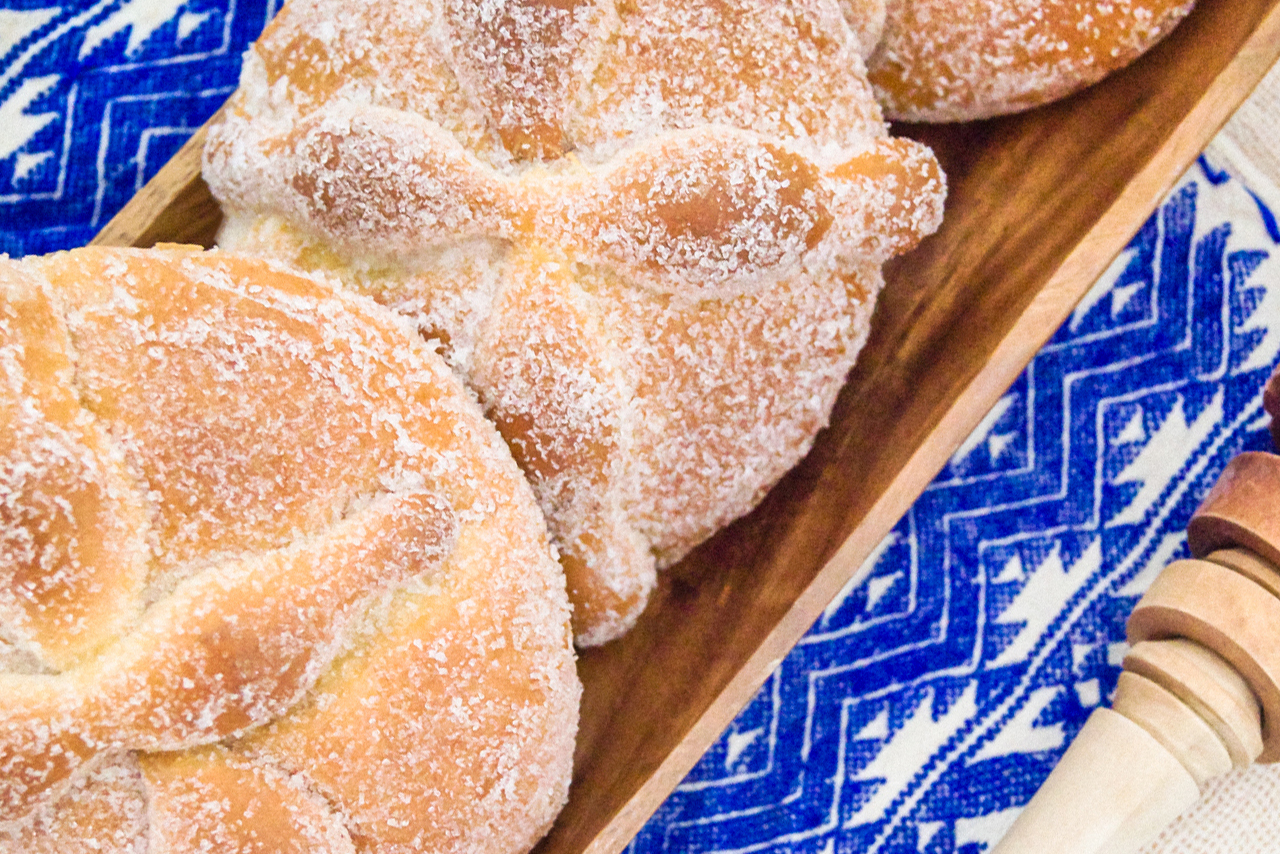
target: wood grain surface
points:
(1038, 205)
(173, 207)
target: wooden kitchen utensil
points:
(1200, 691)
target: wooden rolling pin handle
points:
(1177, 725)
(1200, 691)
(1227, 614)
(1242, 510)
(1181, 716)
(1114, 788)
(1208, 685)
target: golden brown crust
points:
(210, 797)
(654, 261)
(348, 617)
(787, 70)
(72, 557)
(104, 812)
(947, 61)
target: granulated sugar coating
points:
(270, 580)
(953, 60)
(647, 233)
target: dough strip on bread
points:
(648, 235)
(348, 618)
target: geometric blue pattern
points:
(931, 698)
(96, 96)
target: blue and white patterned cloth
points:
(930, 699)
(96, 96)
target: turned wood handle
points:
(1227, 614)
(1242, 510)
(1200, 691)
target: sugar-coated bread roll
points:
(268, 579)
(648, 234)
(955, 60)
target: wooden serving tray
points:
(1039, 205)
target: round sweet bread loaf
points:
(268, 579)
(649, 234)
(951, 60)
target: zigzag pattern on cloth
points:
(932, 698)
(96, 96)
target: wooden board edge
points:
(139, 221)
(1039, 320)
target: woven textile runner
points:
(931, 699)
(928, 702)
